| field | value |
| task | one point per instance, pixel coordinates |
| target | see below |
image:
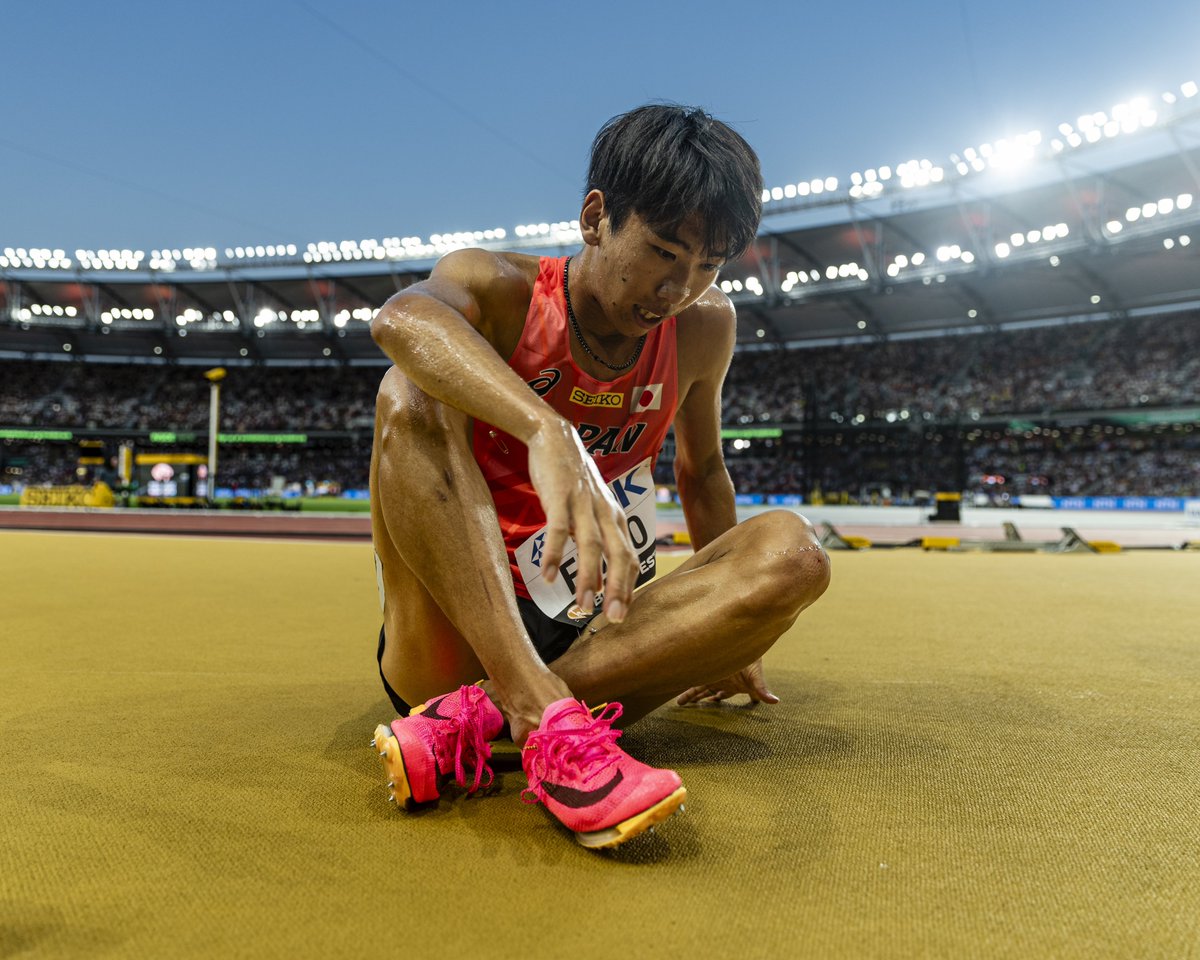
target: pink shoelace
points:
(470, 747)
(589, 749)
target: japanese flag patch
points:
(647, 398)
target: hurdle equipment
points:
(832, 540)
(1072, 542)
(940, 543)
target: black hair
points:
(667, 163)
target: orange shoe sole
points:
(635, 825)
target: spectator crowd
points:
(870, 419)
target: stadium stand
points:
(873, 420)
(1018, 319)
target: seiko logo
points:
(585, 399)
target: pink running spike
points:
(446, 735)
(590, 784)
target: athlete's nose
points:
(673, 290)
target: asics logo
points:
(570, 797)
(535, 555)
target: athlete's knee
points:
(793, 566)
(406, 415)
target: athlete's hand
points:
(749, 681)
(578, 503)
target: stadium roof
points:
(1086, 227)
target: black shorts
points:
(551, 639)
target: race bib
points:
(635, 493)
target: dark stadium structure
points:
(1006, 329)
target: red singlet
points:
(621, 422)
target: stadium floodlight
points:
(1149, 209)
(1166, 205)
(1184, 240)
(1183, 201)
(1168, 243)
(1095, 298)
(1189, 89)
(1133, 214)
(1002, 250)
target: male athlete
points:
(512, 499)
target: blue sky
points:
(144, 124)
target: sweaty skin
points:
(450, 612)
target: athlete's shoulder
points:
(712, 311)
(491, 276)
(706, 332)
(493, 287)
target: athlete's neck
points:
(594, 322)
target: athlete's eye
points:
(665, 254)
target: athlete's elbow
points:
(383, 323)
(392, 328)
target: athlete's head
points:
(669, 164)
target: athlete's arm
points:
(443, 334)
(705, 490)
(705, 348)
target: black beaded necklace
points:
(616, 368)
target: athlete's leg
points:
(714, 615)
(449, 598)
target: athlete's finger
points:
(588, 559)
(552, 549)
(621, 575)
(691, 695)
(761, 693)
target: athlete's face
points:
(648, 275)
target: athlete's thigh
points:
(424, 653)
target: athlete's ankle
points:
(523, 706)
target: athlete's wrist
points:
(548, 427)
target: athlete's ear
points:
(593, 214)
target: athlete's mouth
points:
(647, 316)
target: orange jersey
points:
(621, 422)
